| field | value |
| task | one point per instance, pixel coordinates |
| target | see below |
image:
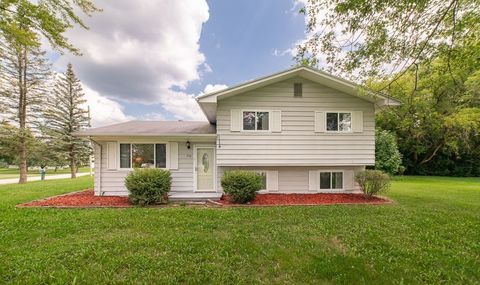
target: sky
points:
(149, 59)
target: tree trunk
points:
(22, 116)
(73, 167)
(22, 159)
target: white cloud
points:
(136, 51)
(210, 88)
(183, 106)
(153, 116)
(277, 52)
(104, 111)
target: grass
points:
(430, 236)
(9, 173)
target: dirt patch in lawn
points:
(82, 199)
(309, 199)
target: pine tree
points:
(66, 114)
(24, 76)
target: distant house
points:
(303, 130)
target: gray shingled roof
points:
(152, 128)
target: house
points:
(303, 130)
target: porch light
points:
(188, 144)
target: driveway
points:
(47, 177)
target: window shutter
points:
(313, 180)
(319, 121)
(348, 179)
(235, 120)
(357, 121)
(272, 181)
(112, 155)
(276, 121)
(173, 155)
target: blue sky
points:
(150, 63)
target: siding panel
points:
(112, 181)
(298, 143)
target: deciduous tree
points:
(24, 74)
(48, 18)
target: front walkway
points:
(37, 178)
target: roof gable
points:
(208, 102)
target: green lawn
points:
(8, 173)
(431, 236)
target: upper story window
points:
(297, 90)
(255, 121)
(339, 122)
(143, 155)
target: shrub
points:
(148, 186)
(241, 185)
(387, 155)
(373, 182)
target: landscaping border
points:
(122, 202)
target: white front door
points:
(204, 168)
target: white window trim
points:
(338, 117)
(331, 177)
(167, 154)
(256, 111)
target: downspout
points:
(100, 168)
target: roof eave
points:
(86, 134)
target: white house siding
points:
(111, 182)
(292, 179)
(297, 144)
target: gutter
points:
(89, 134)
(100, 168)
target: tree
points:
(66, 114)
(48, 18)
(24, 74)
(387, 156)
(39, 150)
(438, 124)
(380, 37)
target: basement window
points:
(331, 180)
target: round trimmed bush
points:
(373, 182)
(241, 185)
(148, 186)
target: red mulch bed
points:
(83, 199)
(86, 199)
(309, 199)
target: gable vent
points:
(297, 90)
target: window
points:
(339, 122)
(125, 155)
(331, 180)
(143, 155)
(263, 175)
(297, 89)
(160, 155)
(255, 121)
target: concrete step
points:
(194, 196)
